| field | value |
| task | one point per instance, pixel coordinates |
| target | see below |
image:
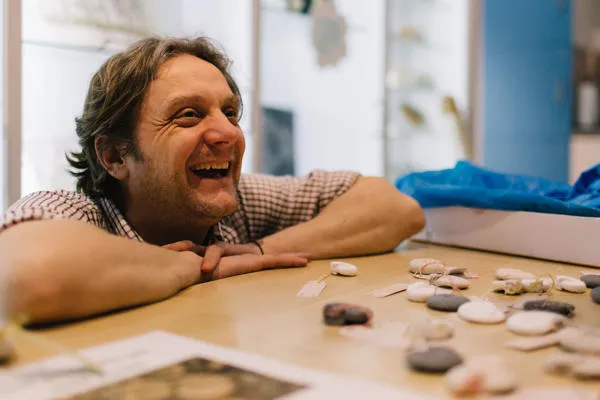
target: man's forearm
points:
(371, 217)
(58, 270)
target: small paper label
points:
(390, 290)
(312, 289)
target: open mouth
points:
(211, 170)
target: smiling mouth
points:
(211, 170)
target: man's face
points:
(190, 142)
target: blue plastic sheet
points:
(471, 186)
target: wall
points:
(337, 110)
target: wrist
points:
(186, 268)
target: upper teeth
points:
(224, 165)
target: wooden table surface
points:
(260, 313)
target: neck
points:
(160, 229)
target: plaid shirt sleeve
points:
(45, 205)
(271, 203)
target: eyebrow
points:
(176, 102)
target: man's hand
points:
(222, 260)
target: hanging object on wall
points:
(299, 6)
(412, 115)
(449, 107)
(278, 142)
(328, 33)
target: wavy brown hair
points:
(113, 102)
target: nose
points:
(221, 132)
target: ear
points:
(111, 158)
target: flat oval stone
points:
(481, 375)
(595, 293)
(426, 266)
(7, 351)
(481, 312)
(434, 360)
(591, 280)
(446, 302)
(581, 343)
(419, 292)
(504, 274)
(570, 284)
(558, 307)
(451, 281)
(343, 268)
(346, 314)
(589, 368)
(437, 329)
(535, 323)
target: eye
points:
(232, 114)
(188, 117)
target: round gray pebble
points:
(591, 280)
(346, 314)
(435, 360)
(558, 307)
(596, 295)
(446, 302)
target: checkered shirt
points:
(267, 204)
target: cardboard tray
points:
(554, 237)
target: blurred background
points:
(384, 87)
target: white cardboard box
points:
(555, 237)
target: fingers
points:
(242, 264)
(182, 245)
(211, 259)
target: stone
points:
(570, 284)
(481, 312)
(509, 287)
(483, 374)
(535, 285)
(434, 360)
(426, 266)
(581, 343)
(419, 292)
(7, 351)
(595, 293)
(534, 343)
(561, 363)
(535, 323)
(558, 307)
(436, 329)
(446, 302)
(343, 268)
(451, 281)
(591, 280)
(346, 314)
(588, 368)
(504, 274)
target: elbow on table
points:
(410, 220)
(27, 295)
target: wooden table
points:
(260, 313)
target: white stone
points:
(579, 342)
(419, 292)
(588, 368)
(534, 285)
(451, 281)
(484, 374)
(426, 266)
(569, 284)
(343, 268)
(504, 274)
(510, 287)
(436, 329)
(481, 312)
(561, 363)
(535, 323)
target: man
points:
(162, 204)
